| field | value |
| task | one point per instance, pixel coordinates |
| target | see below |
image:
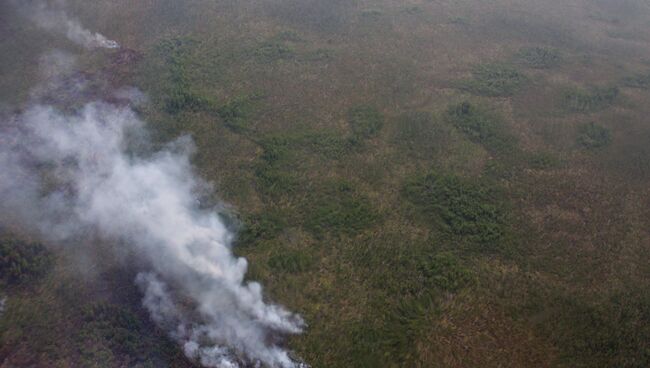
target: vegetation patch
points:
(264, 226)
(365, 122)
(641, 81)
(110, 331)
(22, 261)
(611, 332)
(290, 261)
(237, 114)
(494, 80)
(539, 57)
(543, 161)
(444, 271)
(338, 209)
(272, 51)
(583, 101)
(481, 126)
(592, 136)
(461, 207)
(420, 133)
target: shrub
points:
(612, 332)
(23, 261)
(495, 80)
(116, 328)
(578, 100)
(338, 209)
(273, 51)
(593, 136)
(480, 127)
(420, 133)
(181, 100)
(273, 177)
(365, 121)
(541, 161)
(460, 207)
(641, 81)
(539, 57)
(290, 261)
(445, 272)
(237, 113)
(261, 227)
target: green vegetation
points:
(544, 160)
(420, 133)
(593, 136)
(111, 333)
(481, 126)
(495, 80)
(273, 51)
(261, 227)
(445, 272)
(609, 331)
(539, 57)
(238, 113)
(290, 261)
(338, 209)
(641, 81)
(365, 122)
(284, 154)
(582, 101)
(21, 261)
(460, 207)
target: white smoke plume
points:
(70, 174)
(52, 17)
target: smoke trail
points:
(70, 174)
(54, 19)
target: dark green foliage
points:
(641, 81)
(444, 271)
(284, 153)
(261, 227)
(593, 136)
(330, 145)
(237, 113)
(22, 261)
(338, 209)
(495, 80)
(539, 57)
(273, 172)
(613, 332)
(290, 261)
(480, 127)
(111, 330)
(179, 96)
(542, 161)
(404, 325)
(273, 51)
(365, 121)
(579, 100)
(181, 100)
(461, 207)
(420, 133)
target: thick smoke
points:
(54, 18)
(147, 203)
(71, 174)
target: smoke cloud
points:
(53, 18)
(148, 204)
(70, 173)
